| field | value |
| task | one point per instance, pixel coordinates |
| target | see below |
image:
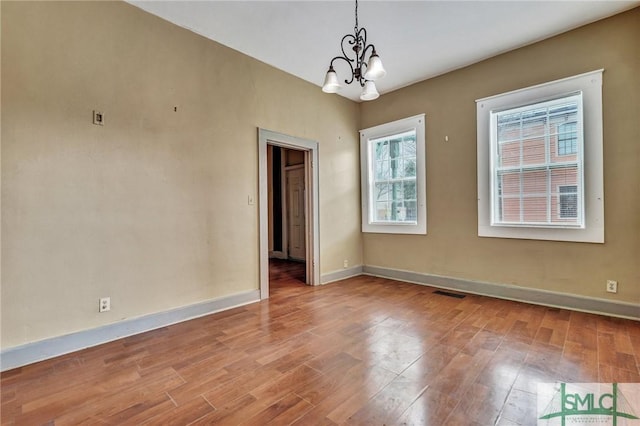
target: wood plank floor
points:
(285, 274)
(365, 351)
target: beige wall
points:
(452, 247)
(150, 209)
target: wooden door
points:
(295, 213)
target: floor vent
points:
(446, 293)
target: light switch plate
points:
(98, 118)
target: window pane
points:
(410, 190)
(410, 167)
(382, 170)
(383, 211)
(564, 176)
(533, 151)
(564, 112)
(534, 209)
(396, 167)
(409, 146)
(509, 154)
(394, 148)
(510, 184)
(567, 139)
(411, 208)
(568, 200)
(398, 212)
(396, 192)
(381, 191)
(382, 150)
(394, 183)
(534, 182)
(534, 123)
(536, 150)
(509, 126)
(510, 210)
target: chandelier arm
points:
(370, 46)
(361, 34)
(351, 40)
(349, 62)
(361, 39)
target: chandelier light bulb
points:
(369, 91)
(375, 70)
(331, 84)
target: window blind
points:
(537, 164)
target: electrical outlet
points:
(612, 286)
(105, 304)
(345, 263)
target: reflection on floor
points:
(285, 274)
(363, 351)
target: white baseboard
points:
(49, 348)
(511, 292)
(341, 274)
(29, 353)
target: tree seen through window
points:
(395, 178)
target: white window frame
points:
(416, 123)
(590, 84)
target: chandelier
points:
(363, 71)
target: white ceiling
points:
(416, 40)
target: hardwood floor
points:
(366, 351)
(285, 274)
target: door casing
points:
(312, 243)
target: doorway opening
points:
(286, 190)
(289, 245)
